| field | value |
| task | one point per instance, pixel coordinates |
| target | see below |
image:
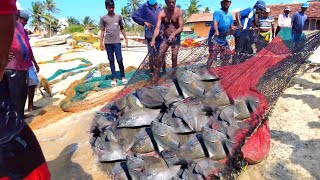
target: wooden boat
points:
(56, 40)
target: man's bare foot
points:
(32, 108)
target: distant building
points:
(202, 22)
(313, 13)
(63, 23)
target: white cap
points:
(24, 14)
(268, 9)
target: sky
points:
(95, 8)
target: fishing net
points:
(240, 91)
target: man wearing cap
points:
(17, 70)
(146, 15)
(110, 25)
(284, 20)
(33, 80)
(20, 153)
(248, 19)
(222, 23)
(298, 20)
(266, 26)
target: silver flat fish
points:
(143, 143)
(137, 117)
(213, 141)
(164, 136)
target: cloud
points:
(19, 7)
(236, 10)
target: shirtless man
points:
(172, 19)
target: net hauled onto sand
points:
(197, 124)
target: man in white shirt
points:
(284, 20)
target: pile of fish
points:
(183, 130)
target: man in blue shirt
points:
(298, 20)
(146, 15)
(248, 19)
(222, 23)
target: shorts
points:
(176, 42)
(33, 77)
(215, 50)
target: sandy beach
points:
(294, 124)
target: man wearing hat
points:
(33, 80)
(17, 69)
(248, 19)
(298, 20)
(284, 20)
(222, 23)
(20, 153)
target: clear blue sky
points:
(95, 8)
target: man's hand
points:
(3, 63)
(216, 33)
(126, 41)
(148, 25)
(37, 68)
(102, 47)
(152, 43)
(233, 28)
(172, 38)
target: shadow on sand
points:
(305, 153)
(63, 168)
(311, 100)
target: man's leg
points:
(224, 55)
(214, 51)
(31, 91)
(175, 52)
(158, 43)
(33, 82)
(159, 59)
(18, 89)
(110, 52)
(151, 55)
(118, 52)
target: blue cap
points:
(261, 5)
(305, 5)
(24, 14)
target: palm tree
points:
(88, 22)
(51, 6)
(133, 5)
(72, 21)
(207, 10)
(37, 12)
(125, 15)
(193, 8)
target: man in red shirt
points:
(20, 153)
(7, 24)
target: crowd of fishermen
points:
(20, 153)
(163, 27)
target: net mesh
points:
(262, 76)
